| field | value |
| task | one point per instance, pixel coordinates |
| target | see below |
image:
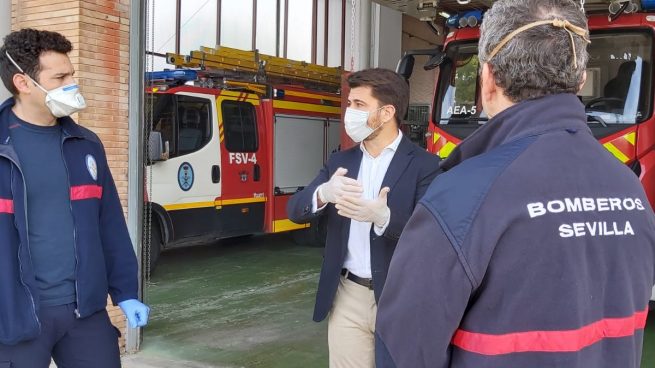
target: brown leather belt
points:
(368, 283)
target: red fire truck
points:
(618, 95)
(232, 135)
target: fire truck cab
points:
(619, 94)
(225, 156)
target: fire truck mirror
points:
(406, 66)
(434, 61)
(406, 63)
(155, 148)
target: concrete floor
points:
(244, 303)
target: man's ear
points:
(388, 113)
(584, 80)
(488, 88)
(21, 83)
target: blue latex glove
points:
(136, 312)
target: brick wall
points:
(99, 31)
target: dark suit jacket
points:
(410, 173)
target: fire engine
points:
(231, 136)
(618, 95)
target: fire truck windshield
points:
(618, 90)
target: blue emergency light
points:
(453, 21)
(648, 4)
(183, 75)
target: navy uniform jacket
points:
(535, 248)
(410, 173)
(105, 259)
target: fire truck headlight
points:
(472, 21)
(469, 19)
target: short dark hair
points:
(387, 87)
(25, 47)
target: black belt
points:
(356, 279)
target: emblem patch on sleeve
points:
(92, 167)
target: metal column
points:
(360, 49)
(136, 159)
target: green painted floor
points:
(247, 303)
(244, 304)
(648, 358)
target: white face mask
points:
(62, 101)
(356, 124)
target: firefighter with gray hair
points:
(535, 247)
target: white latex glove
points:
(366, 210)
(338, 186)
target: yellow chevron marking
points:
(436, 138)
(631, 137)
(447, 149)
(615, 151)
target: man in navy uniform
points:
(367, 193)
(535, 247)
(64, 242)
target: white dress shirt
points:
(372, 171)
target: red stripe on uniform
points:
(6, 206)
(81, 192)
(550, 341)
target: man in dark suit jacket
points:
(368, 193)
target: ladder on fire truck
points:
(253, 70)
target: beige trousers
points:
(351, 327)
